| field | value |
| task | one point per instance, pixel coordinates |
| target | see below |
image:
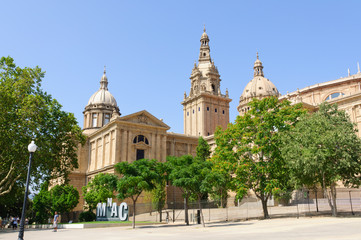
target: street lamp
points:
(32, 148)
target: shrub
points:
(87, 216)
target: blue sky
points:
(149, 47)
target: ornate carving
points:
(143, 119)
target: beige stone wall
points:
(180, 144)
(349, 102)
(202, 114)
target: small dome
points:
(257, 63)
(102, 96)
(204, 35)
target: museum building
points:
(112, 138)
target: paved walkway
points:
(284, 228)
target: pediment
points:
(144, 118)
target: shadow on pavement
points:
(208, 225)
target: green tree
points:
(221, 177)
(323, 148)
(42, 204)
(99, 189)
(136, 177)
(60, 198)
(159, 192)
(28, 113)
(64, 198)
(203, 150)
(11, 204)
(249, 149)
(191, 175)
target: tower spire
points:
(204, 53)
(358, 67)
(104, 81)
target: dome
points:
(102, 96)
(258, 87)
(257, 63)
(204, 35)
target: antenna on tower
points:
(358, 67)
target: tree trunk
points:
(186, 210)
(221, 198)
(200, 210)
(160, 213)
(333, 196)
(315, 190)
(331, 199)
(264, 206)
(133, 224)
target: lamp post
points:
(32, 148)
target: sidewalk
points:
(284, 228)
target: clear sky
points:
(149, 47)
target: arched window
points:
(334, 95)
(141, 138)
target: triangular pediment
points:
(144, 118)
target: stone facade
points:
(112, 138)
(345, 92)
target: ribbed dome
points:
(259, 86)
(102, 96)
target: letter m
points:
(101, 209)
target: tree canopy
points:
(192, 174)
(323, 148)
(136, 177)
(60, 198)
(99, 189)
(28, 113)
(249, 149)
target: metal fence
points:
(303, 203)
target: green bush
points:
(87, 216)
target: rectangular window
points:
(207, 108)
(106, 118)
(140, 154)
(223, 111)
(95, 122)
(215, 109)
(199, 109)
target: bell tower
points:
(205, 107)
